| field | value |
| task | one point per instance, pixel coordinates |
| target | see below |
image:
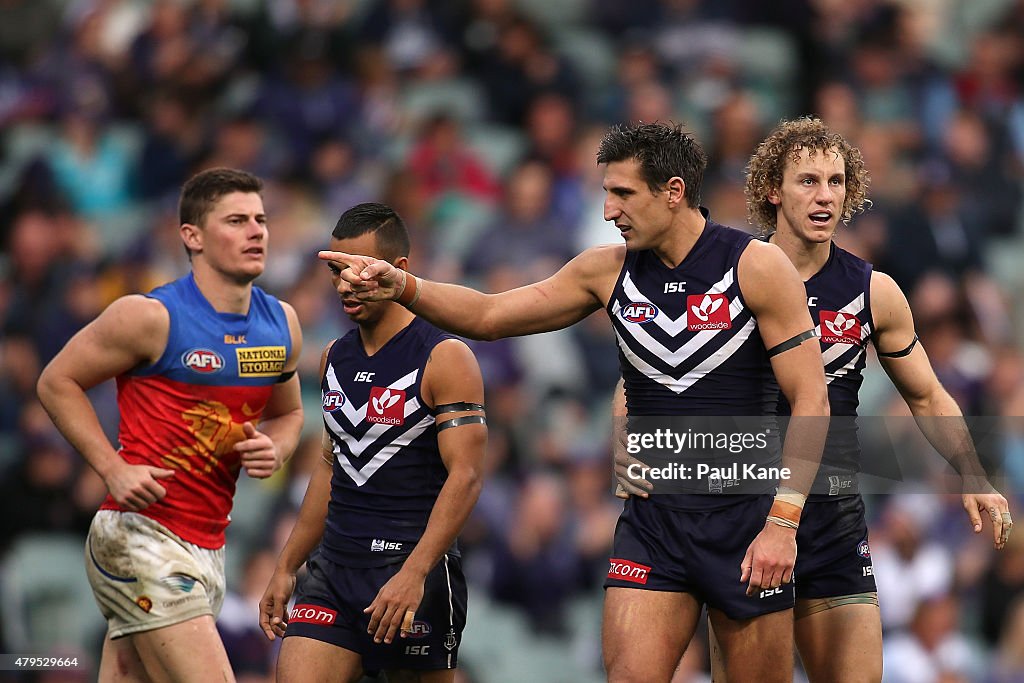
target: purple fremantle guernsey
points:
(688, 344)
(387, 466)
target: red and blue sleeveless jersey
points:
(185, 412)
(388, 470)
(688, 344)
(839, 300)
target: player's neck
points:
(376, 334)
(808, 257)
(224, 294)
(681, 237)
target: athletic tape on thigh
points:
(460, 421)
(791, 343)
(805, 608)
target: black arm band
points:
(457, 407)
(791, 343)
(464, 420)
(285, 376)
(900, 354)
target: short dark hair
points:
(663, 151)
(202, 191)
(381, 219)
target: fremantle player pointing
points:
(404, 438)
(731, 552)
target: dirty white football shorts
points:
(144, 577)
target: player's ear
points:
(676, 190)
(191, 235)
(774, 197)
(402, 263)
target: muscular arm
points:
(132, 331)
(937, 414)
(776, 296)
(281, 422)
(578, 289)
(307, 532)
(451, 376)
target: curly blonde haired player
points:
(206, 387)
(802, 180)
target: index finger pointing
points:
(351, 260)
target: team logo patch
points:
(420, 629)
(312, 614)
(203, 361)
(707, 312)
(639, 312)
(864, 550)
(144, 603)
(839, 328)
(624, 570)
(260, 361)
(386, 406)
(332, 400)
(450, 641)
(179, 582)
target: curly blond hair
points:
(764, 172)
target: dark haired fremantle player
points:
(703, 314)
(404, 439)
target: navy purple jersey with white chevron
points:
(688, 344)
(839, 300)
(387, 466)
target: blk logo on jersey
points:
(332, 400)
(639, 312)
(203, 361)
(707, 312)
(625, 570)
(839, 328)
(386, 406)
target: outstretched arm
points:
(775, 294)
(132, 331)
(937, 414)
(574, 292)
(451, 377)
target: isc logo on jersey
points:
(839, 328)
(639, 312)
(332, 400)
(203, 361)
(707, 312)
(386, 406)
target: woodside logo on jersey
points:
(839, 328)
(708, 312)
(386, 406)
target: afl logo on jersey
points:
(203, 361)
(333, 400)
(639, 312)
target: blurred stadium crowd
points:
(478, 120)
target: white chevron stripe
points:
(372, 434)
(830, 376)
(677, 357)
(680, 385)
(361, 476)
